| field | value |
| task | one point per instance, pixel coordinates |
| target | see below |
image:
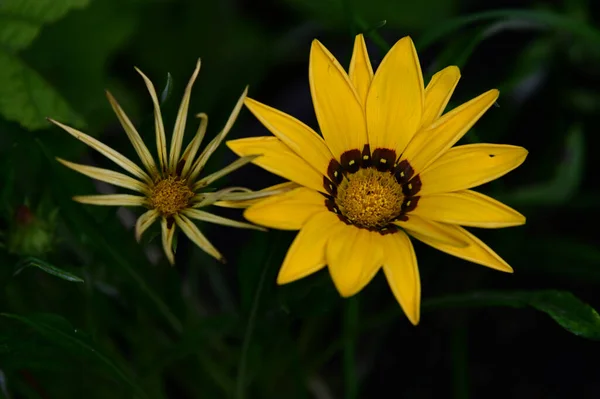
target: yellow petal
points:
(134, 136)
(446, 131)
(161, 140)
(196, 236)
(476, 251)
(307, 253)
(106, 175)
(402, 273)
(167, 232)
(435, 231)
(233, 200)
(179, 129)
(468, 208)
(215, 142)
(287, 211)
(361, 71)
(353, 257)
(395, 100)
(300, 138)
(336, 103)
(238, 163)
(192, 149)
(201, 200)
(277, 158)
(111, 200)
(470, 165)
(145, 221)
(105, 150)
(438, 93)
(210, 218)
(231, 197)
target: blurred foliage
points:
(134, 327)
(25, 96)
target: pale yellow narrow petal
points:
(167, 233)
(361, 71)
(402, 273)
(468, 208)
(209, 198)
(395, 100)
(447, 130)
(307, 253)
(433, 230)
(179, 129)
(300, 138)
(105, 150)
(476, 251)
(161, 139)
(145, 221)
(238, 163)
(192, 149)
(194, 234)
(470, 165)
(108, 176)
(336, 103)
(111, 199)
(287, 211)
(214, 144)
(134, 136)
(210, 218)
(277, 158)
(253, 197)
(438, 93)
(353, 255)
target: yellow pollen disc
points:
(370, 198)
(170, 196)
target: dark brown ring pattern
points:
(383, 159)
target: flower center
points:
(370, 198)
(170, 195)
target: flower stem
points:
(350, 330)
(460, 373)
(241, 376)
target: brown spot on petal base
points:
(370, 190)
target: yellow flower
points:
(383, 169)
(172, 189)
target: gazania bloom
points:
(384, 169)
(172, 190)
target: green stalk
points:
(350, 332)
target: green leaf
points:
(59, 331)
(79, 66)
(460, 50)
(565, 183)
(47, 267)
(548, 19)
(22, 20)
(565, 308)
(25, 97)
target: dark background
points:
(138, 328)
